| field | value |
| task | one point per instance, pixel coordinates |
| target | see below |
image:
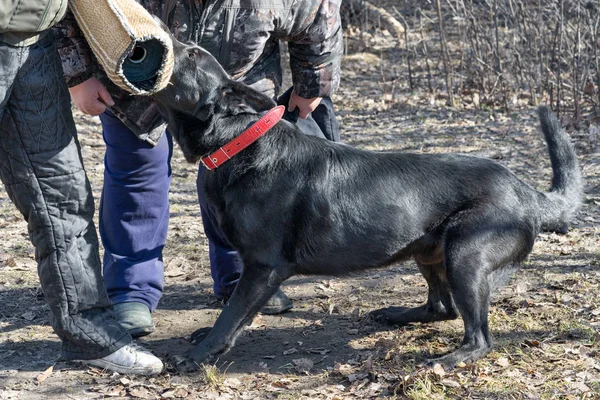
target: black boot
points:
(277, 304)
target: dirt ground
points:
(546, 322)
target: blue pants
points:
(134, 210)
(134, 213)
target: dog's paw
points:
(449, 361)
(390, 315)
(184, 364)
(434, 363)
(462, 356)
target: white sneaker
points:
(131, 359)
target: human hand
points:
(91, 97)
(305, 106)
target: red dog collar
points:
(244, 140)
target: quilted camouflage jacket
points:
(243, 35)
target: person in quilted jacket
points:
(42, 172)
(244, 35)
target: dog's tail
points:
(560, 204)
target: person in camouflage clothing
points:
(42, 171)
(244, 35)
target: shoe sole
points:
(141, 332)
(267, 310)
(276, 310)
(120, 369)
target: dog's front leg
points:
(256, 285)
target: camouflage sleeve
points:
(313, 31)
(77, 58)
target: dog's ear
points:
(238, 98)
(205, 108)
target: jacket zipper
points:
(225, 53)
(192, 21)
(206, 9)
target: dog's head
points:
(200, 87)
(200, 93)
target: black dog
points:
(295, 204)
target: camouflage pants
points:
(42, 172)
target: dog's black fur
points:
(295, 204)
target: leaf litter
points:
(545, 323)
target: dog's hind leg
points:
(474, 253)
(472, 297)
(439, 307)
(257, 284)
